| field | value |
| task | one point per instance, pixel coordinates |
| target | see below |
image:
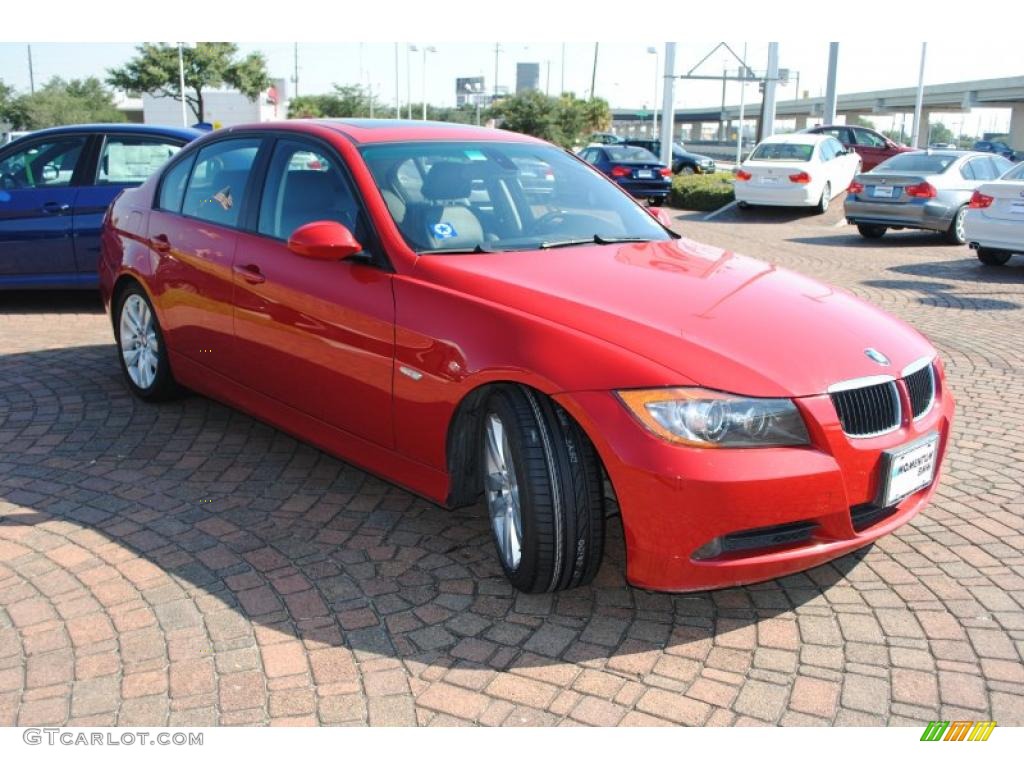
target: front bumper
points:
(674, 499)
(934, 214)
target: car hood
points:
(718, 319)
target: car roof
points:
(794, 138)
(134, 128)
(378, 131)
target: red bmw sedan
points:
(400, 295)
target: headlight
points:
(710, 419)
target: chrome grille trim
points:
(863, 381)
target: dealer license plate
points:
(909, 469)
(768, 180)
(645, 174)
(882, 192)
(1017, 207)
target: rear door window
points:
(217, 188)
(132, 159)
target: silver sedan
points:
(920, 190)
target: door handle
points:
(250, 273)
(161, 244)
(56, 207)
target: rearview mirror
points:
(324, 241)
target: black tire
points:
(826, 198)
(560, 492)
(687, 170)
(163, 385)
(743, 204)
(872, 231)
(658, 201)
(955, 234)
(992, 257)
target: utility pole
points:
(593, 73)
(563, 71)
(295, 77)
(31, 72)
(668, 118)
(768, 102)
(829, 118)
(919, 101)
(408, 78)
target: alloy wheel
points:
(139, 346)
(502, 492)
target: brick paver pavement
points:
(186, 565)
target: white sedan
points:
(799, 169)
(994, 222)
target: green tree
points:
(63, 102)
(565, 120)
(938, 133)
(343, 101)
(207, 65)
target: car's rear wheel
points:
(657, 201)
(955, 234)
(688, 170)
(140, 342)
(826, 198)
(543, 486)
(742, 204)
(993, 257)
(871, 231)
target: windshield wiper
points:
(478, 248)
(598, 239)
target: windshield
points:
(916, 162)
(501, 196)
(777, 150)
(630, 155)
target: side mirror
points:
(660, 215)
(324, 241)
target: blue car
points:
(55, 186)
(635, 169)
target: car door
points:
(39, 182)
(871, 147)
(193, 230)
(315, 335)
(843, 165)
(124, 160)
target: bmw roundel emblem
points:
(877, 356)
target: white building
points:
(222, 108)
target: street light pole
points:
(743, 96)
(423, 88)
(398, 91)
(657, 83)
(918, 102)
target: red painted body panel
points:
(318, 348)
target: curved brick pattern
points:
(184, 565)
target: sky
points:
(626, 74)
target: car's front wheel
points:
(687, 170)
(955, 234)
(543, 487)
(992, 257)
(140, 342)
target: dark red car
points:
(401, 295)
(871, 145)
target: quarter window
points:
(172, 187)
(303, 185)
(47, 163)
(216, 190)
(132, 159)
